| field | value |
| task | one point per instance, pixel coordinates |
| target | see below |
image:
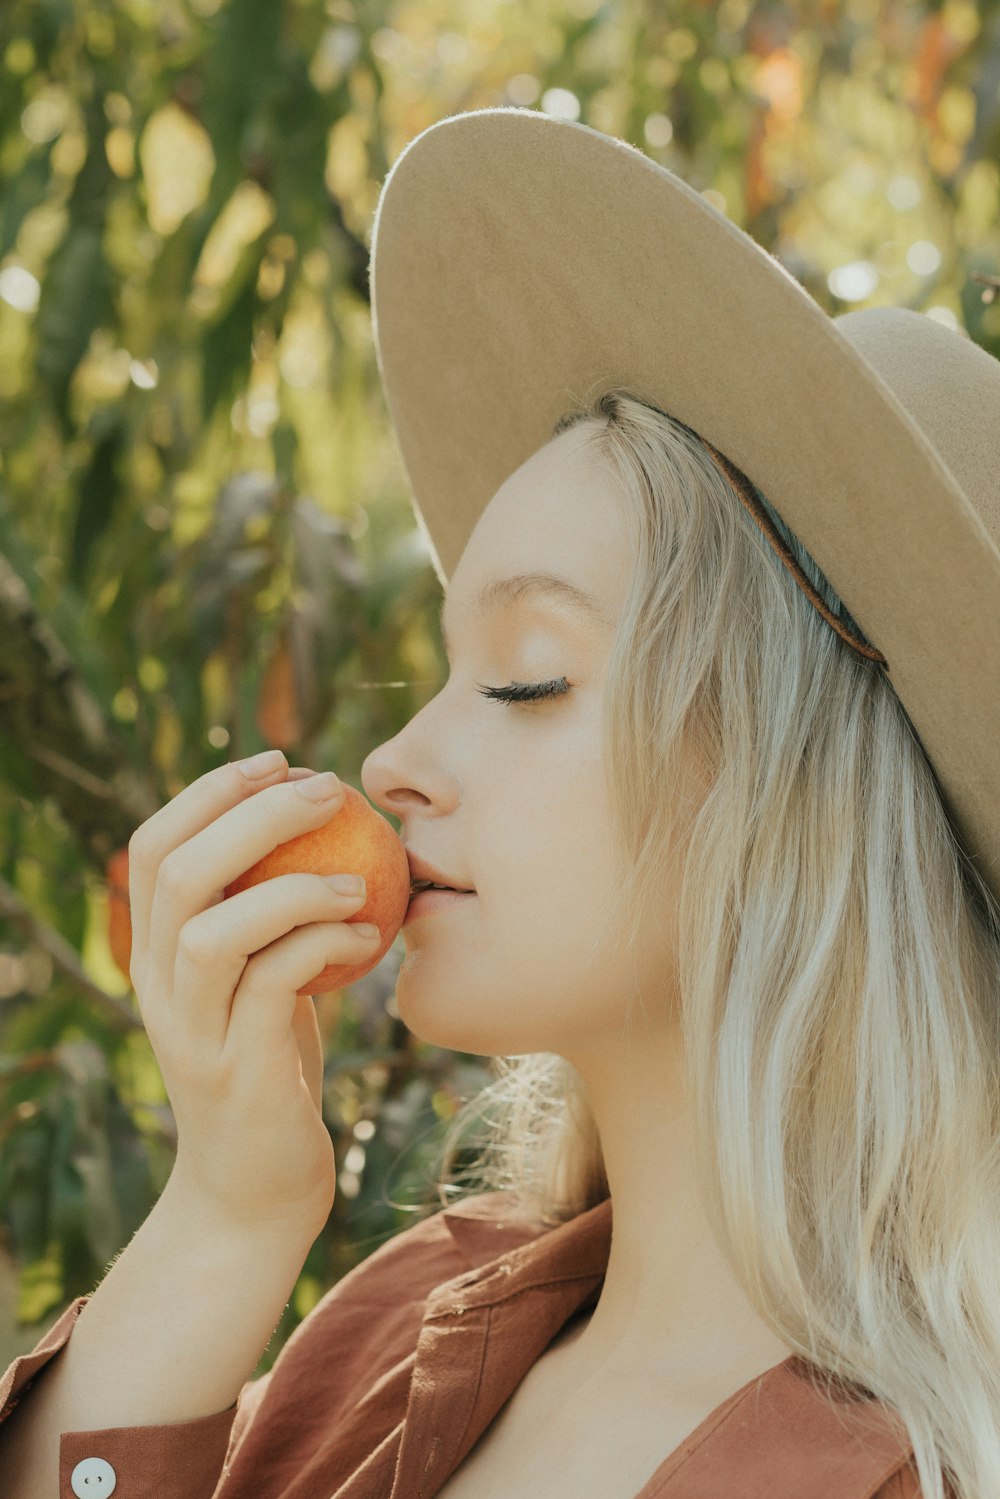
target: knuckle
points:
(171, 875)
(194, 944)
(258, 970)
(137, 845)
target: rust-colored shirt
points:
(392, 1378)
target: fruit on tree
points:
(119, 922)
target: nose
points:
(420, 767)
(384, 781)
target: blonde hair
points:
(838, 965)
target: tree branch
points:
(47, 706)
(113, 1010)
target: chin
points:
(445, 1025)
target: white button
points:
(93, 1479)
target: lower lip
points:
(427, 901)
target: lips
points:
(422, 874)
(427, 900)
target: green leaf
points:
(99, 495)
(40, 1288)
(243, 48)
(227, 351)
(74, 301)
(25, 1197)
(100, 1217)
(29, 187)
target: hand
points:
(216, 982)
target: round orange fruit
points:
(356, 840)
(119, 918)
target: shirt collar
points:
(807, 1435)
(487, 1227)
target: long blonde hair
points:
(839, 968)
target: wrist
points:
(206, 1217)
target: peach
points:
(356, 840)
(119, 918)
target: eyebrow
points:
(502, 592)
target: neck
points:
(670, 1305)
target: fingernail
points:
(319, 788)
(259, 766)
(347, 884)
(365, 928)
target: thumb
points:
(305, 1028)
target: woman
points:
(727, 925)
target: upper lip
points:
(421, 870)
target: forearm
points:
(172, 1333)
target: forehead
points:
(553, 534)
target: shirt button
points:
(93, 1479)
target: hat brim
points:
(522, 264)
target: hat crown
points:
(948, 385)
(521, 265)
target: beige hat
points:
(521, 264)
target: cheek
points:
(518, 971)
(556, 873)
(548, 821)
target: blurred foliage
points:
(206, 545)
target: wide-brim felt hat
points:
(521, 264)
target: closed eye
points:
(525, 692)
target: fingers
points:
(218, 980)
(186, 814)
(215, 946)
(193, 874)
(305, 1028)
(265, 999)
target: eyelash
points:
(525, 692)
